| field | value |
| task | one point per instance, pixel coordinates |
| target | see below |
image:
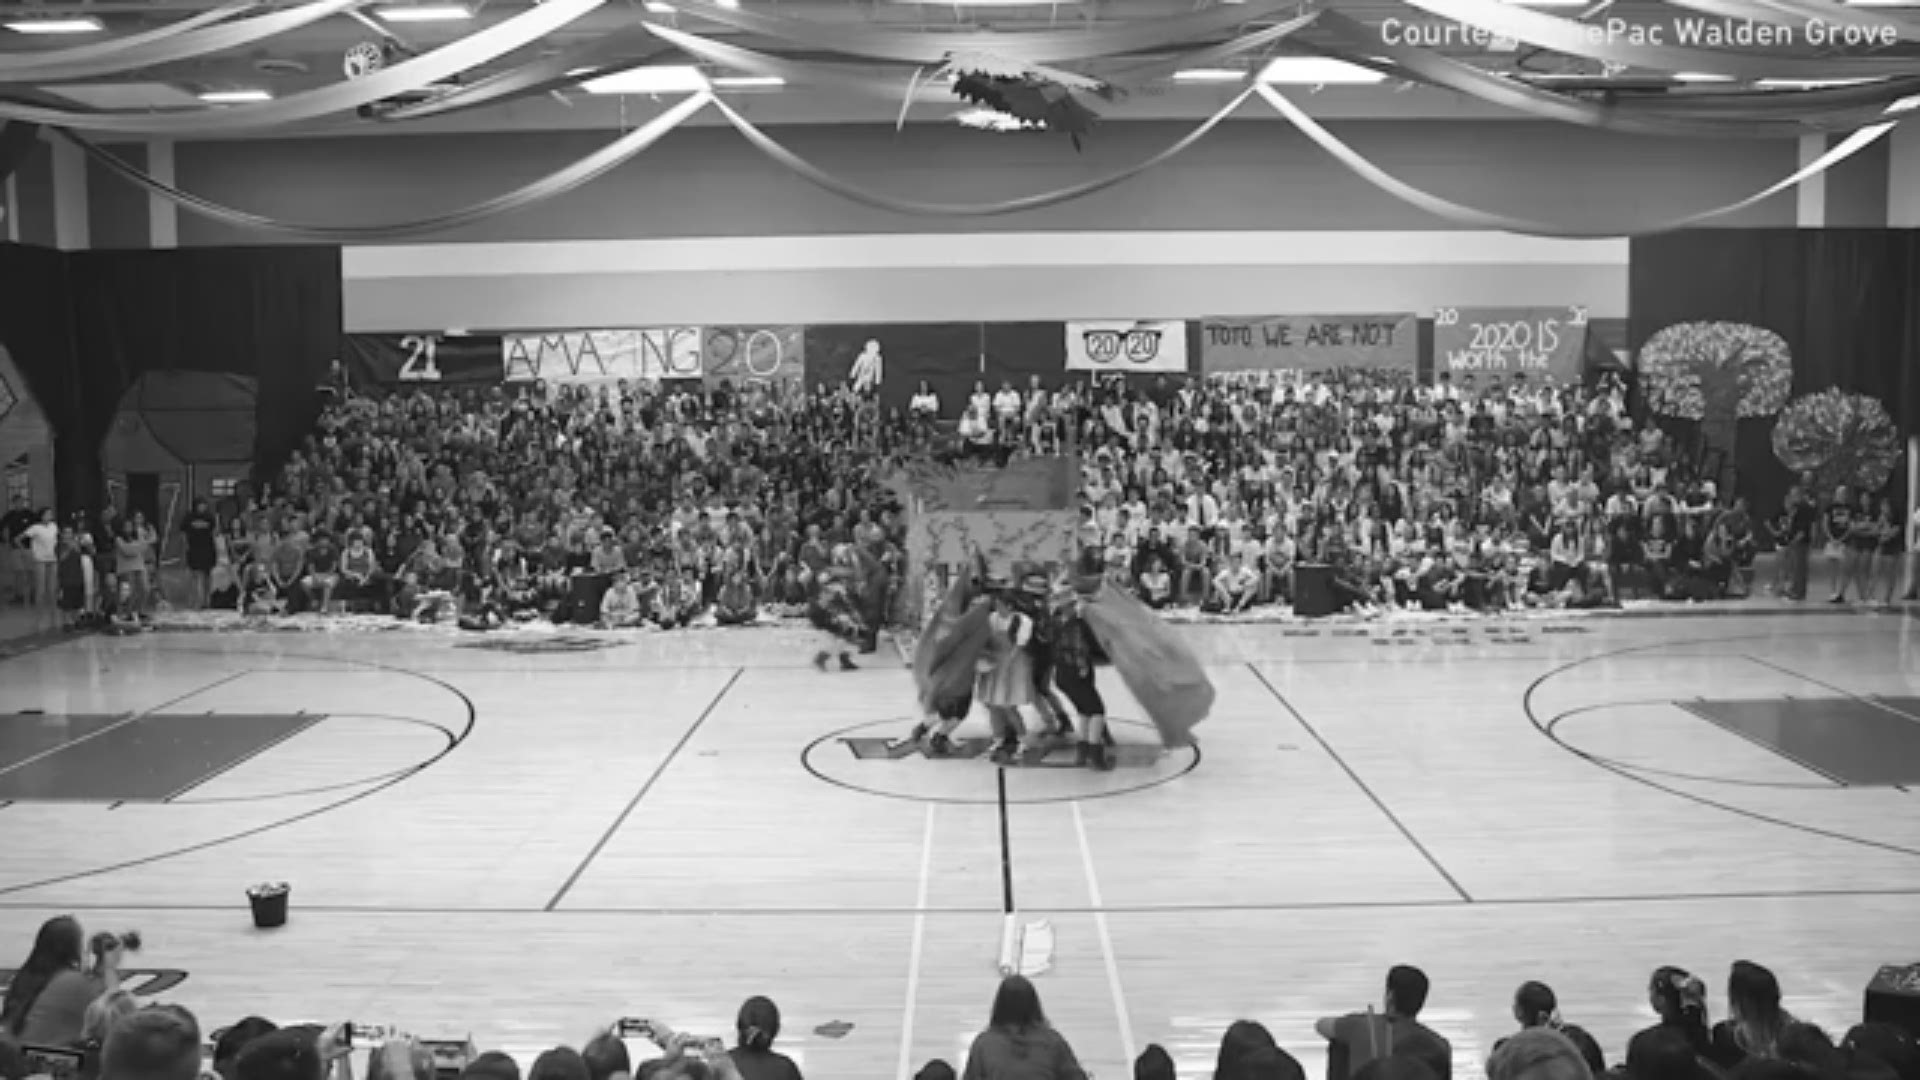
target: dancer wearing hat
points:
(1076, 653)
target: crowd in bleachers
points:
(66, 1017)
(648, 505)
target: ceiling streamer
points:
(1581, 39)
(468, 52)
(813, 174)
(584, 171)
(116, 46)
(604, 55)
(1034, 47)
(167, 44)
(1481, 219)
(859, 79)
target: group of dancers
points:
(1033, 641)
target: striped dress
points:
(1008, 683)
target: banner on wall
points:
(1499, 343)
(595, 356)
(744, 354)
(400, 360)
(1123, 347)
(1311, 343)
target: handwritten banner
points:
(746, 354)
(592, 356)
(1120, 347)
(1310, 343)
(399, 360)
(1499, 343)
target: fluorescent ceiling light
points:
(426, 13)
(236, 97)
(1547, 3)
(1883, 3)
(749, 82)
(665, 79)
(81, 24)
(659, 7)
(1209, 75)
(1904, 105)
(1700, 76)
(1318, 71)
(991, 3)
(1808, 84)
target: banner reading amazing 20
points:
(1499, 343)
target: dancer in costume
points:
(837, 608)
(1005, 683)
(1076, 653)
(944, 663)
(1034, 600)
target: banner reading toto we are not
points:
(1310, 343)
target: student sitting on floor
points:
(735, 606)
(620, 607)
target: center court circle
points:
(916, 778)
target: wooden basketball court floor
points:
(523, 844)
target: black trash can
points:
(269, 905)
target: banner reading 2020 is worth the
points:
(1498, 344)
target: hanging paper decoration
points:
(117, 47)
(584, 171)
(1839, 437)
(1030, 93)
(1473, 218)
(166, 45)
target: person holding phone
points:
(46, 1003)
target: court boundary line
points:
(1006, 843)
(658, 771)
(916, 948)
(1277, 907)
(1101, 931)
(1261, 676)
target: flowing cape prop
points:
(944, 663)
(1164, 675)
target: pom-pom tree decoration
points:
(1717, 373)
(1840, 438)
(1029, 93)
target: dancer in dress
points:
(1005, 683)
(1034, 600)
(837, 608)
(944, 663)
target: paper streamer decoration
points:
(584, 171)
(114, 47)
(860, 80)
(1579, 39)
(819, 177)
(1153, 71)
(469, 52)
(1039, 46)
(200, 40)
(608, 54)
(1481, 219)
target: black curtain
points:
(34, 327)
(1843, 299)
(272, 314)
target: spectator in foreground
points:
(1019, 1044)
(758, 1025)
(46, 1003)
(1358, 1038)
(1538, 1053)
(157, 1043)
(1154, 1063)
(1680, 1000)
(1536, 1006)
(1887, 1044)
(279, 1055)
(1755, 1021)
(226, 1048)
(1248, 1052)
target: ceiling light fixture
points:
(1808, 84)
(1883, 3)
(236, 97)
(659, 7)
(79, 24)
(664, 79)
(749, 82)
(1700, 76)
(1904, 105)
(418, 13)
(1209, 75)
(1318, 71)
(991, 3)
(1548, 3)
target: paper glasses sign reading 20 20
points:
(1499, 343)
(1121, 347)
